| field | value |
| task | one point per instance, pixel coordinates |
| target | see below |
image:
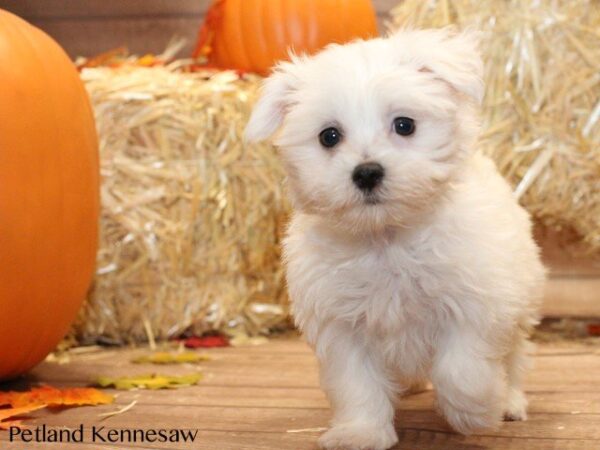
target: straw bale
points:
(541, 113)
(191, 217)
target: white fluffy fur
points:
(439, 280)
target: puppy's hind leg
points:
(359, 391)
(517, 361)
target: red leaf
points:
(593, 329)
(206, 341)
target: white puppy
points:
(407, 256)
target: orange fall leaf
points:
(11, 413)
(51, 396)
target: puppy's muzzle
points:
(368, 176)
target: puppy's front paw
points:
(359, 437)
(516, 406)
(471, 417)
(467, 423)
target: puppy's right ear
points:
(272, 105)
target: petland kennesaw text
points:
(99, 434)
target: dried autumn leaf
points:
(153, 381)
(147, 60)
(593, 329)
(171, 358)
(11, 424)
(12, 413)
(206, 341)
(51, 396)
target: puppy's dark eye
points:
(404, 126)
(330, 137)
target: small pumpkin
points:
(49, 194)
(251, 35)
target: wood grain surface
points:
(260, 397)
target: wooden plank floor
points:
(263, 397)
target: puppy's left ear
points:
(455, 58)
(273, 103)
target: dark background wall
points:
(89, 27)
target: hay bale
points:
(191, 217)
(541, 113)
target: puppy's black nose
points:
(368, 176)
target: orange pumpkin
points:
(49, 201)
(251, 35)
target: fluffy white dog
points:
(408, 257)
